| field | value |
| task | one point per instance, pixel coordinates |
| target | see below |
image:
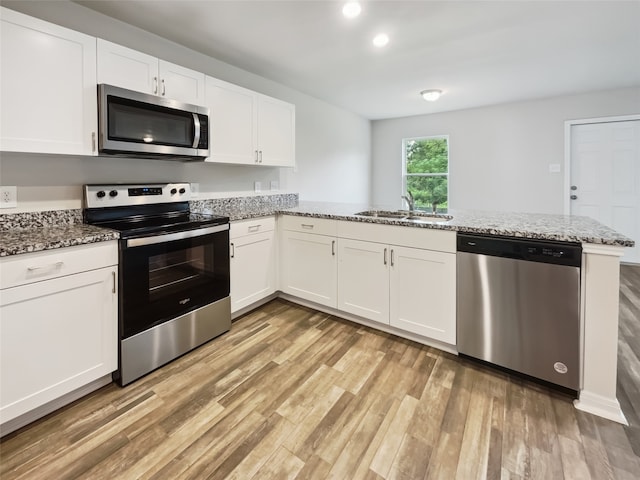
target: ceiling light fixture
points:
(351, 9)
(381, 40)
(431, 95)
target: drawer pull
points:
(307, 225)
(254, 228)
(51, 266)
(233, 250)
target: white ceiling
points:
(478, 52)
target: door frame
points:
(567, 149)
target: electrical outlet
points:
(8, 197)
(195, 190)
(275, 185)
(257, 186)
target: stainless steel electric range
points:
(173, 272)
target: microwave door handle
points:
(196, 135)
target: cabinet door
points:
(123, 67)
(180, 83)
(363, 279)
(48, 100)
(309, 267)
(423, 292)
(276, 132)
(232, 123)
(55, 336)
(252, 269)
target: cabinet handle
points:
(385, 256)
(93, 141)
(254, 228)
(260, 152)
(256, 156)
(113, 277)
(233, 250)
(392, 257)
(155, 85)
(308, 226)
(53, 265)
(333, 248)
(164, 88)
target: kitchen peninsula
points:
(331, 222)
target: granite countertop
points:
(563, 228)
(37, 231)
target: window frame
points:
(404, 164)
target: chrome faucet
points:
(409, 199)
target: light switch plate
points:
(8, 197)
(257, 186)
(275, 185)
(195, 190)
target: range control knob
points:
(100, 193)
(173, 191)
(182, 190)
(113, 193)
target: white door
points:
(423, 292)
(232, 123)
(276, 132)
(126, 68)
(363, 279)
(47, 87)
(309, 267)
(181, 83)
(252, 269)
(605, 177)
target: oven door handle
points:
(169, 237)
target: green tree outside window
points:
(426, 173)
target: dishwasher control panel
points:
(532, 250)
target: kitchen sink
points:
(416, 216)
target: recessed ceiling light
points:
(381, 40)
(351, 9)
(431, 95)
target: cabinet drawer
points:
(320, 226)
(251, 226)
(35, 267)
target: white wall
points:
(499, 155)
(332, 144)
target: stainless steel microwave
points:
(134, 124)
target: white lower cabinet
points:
(58, 325)
(253, 254)
(408, 288)
(423, 293)
(309, 266)
(363, 279)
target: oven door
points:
(165, 276)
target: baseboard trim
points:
(369, 323)
(43, 410)
(605, 407)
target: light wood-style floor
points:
(293, 393)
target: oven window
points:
(169, 271)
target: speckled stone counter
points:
(525, 225)
(37, 231)
(240, 208)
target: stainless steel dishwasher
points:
(518, 305)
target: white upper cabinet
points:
(127, 68)
(276, 132)
(47, 88)
(232, 114)
(249, 128)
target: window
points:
(426, 171)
